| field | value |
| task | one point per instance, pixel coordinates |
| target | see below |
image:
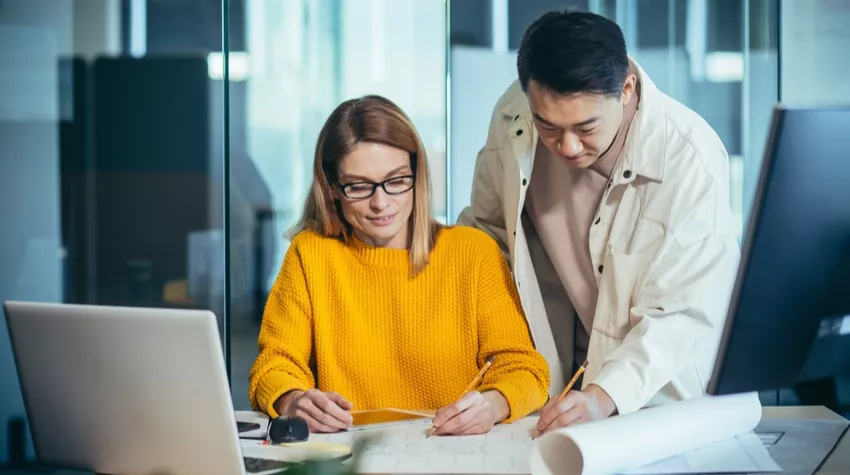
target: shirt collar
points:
(645, 151)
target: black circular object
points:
(288, 429)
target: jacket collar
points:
(645, 151)
(515, 104)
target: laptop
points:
(121, 390)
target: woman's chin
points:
(383, 235)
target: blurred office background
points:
(153, 152)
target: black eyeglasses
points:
(364, 189)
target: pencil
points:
(470, 387)
(567, 390)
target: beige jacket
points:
(665, 248)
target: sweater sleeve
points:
(285, 341)
(519, 372)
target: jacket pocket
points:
(620, 276)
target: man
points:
(611, 201)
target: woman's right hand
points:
(324, 412)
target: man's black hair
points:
(570, 52)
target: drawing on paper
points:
(505, 449)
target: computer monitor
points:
(795, 266)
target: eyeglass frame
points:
(375, 185)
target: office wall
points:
(97, 27)
(472, 101)
(33, 35)
(815, 42)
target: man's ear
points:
(629, 88)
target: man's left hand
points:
(578, 406)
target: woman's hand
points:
(474, 413)
(324, 412)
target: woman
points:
(378, 306)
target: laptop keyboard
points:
(256, 465)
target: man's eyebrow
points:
(363, 178)
(587, 122)
(540, 118)
(580, 124)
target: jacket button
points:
(598, 220)
(516, 117)
(519, 132)
(600, 269)
(627, 174)
(524, 182)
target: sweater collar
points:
(378, 256)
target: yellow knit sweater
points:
(350, 318)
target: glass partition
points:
(110, 162)
(291, 63)
(718, 58)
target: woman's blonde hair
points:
(368, 119)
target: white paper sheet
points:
(709, 434)
(742, 454)
(505, 450)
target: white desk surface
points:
(838, 462)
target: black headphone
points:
(285, 429)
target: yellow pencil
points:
(470, 387)
(566, 390)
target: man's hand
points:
(474, 413)
(324, 412)
(579, 406)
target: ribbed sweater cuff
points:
(522, 392)
(273, 385)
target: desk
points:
(838, 462)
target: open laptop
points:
(119, 390)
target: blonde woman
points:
(377, 305)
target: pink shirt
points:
(562, 203)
